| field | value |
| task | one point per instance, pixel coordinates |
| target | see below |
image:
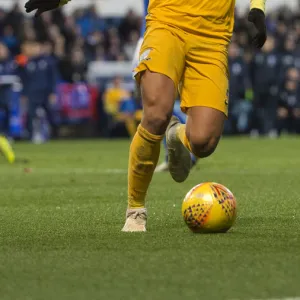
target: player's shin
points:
(143, 158)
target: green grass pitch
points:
(60, 225)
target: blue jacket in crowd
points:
(7, 68)
(39, 75)
(238, 78)
(265, 72)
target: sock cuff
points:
(149, 136)
(180, 130)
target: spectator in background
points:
(129, 113)
(94, 42)
(113, 53)
(265, 81)
(42, 26)
(288, 55)
(297, 31)
(130, 23)
(28, 32)
(2, 21)
(288, 112)
(39, 78)
(70, 33)
(113, 44)
(112, 98)
(89, 20)
(239, 107)
(114, 95)
(73, 69)
(15, 18)
(100, 54)
(281, 30)
(130, 46)
(7, 68)
(58, 18)
(10, 40)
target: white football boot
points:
(136, 219)
(163, 167)
(179, 157)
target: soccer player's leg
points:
(177, 112)
(179, 156)
(158, 73)
(5, 147)
(183, 118)
(204, 129)
(204, 97)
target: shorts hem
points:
(184, 108)
(143, 67)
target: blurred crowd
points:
(264, 85)
(56, 48)
(104, 39)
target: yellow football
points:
(209, 207)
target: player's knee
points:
(156, 116)
(203, 145)
(156, 122)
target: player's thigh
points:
(204, 96)
(162, 51)
(206, 78)
(159, 71)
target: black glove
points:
(257, 17)
(41, 6)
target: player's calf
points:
(204, 129)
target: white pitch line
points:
(112, 171)
(297, 298)
(124, 171)
(288, 298)
(66, 171)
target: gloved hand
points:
(257, 17)
(43, 5)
